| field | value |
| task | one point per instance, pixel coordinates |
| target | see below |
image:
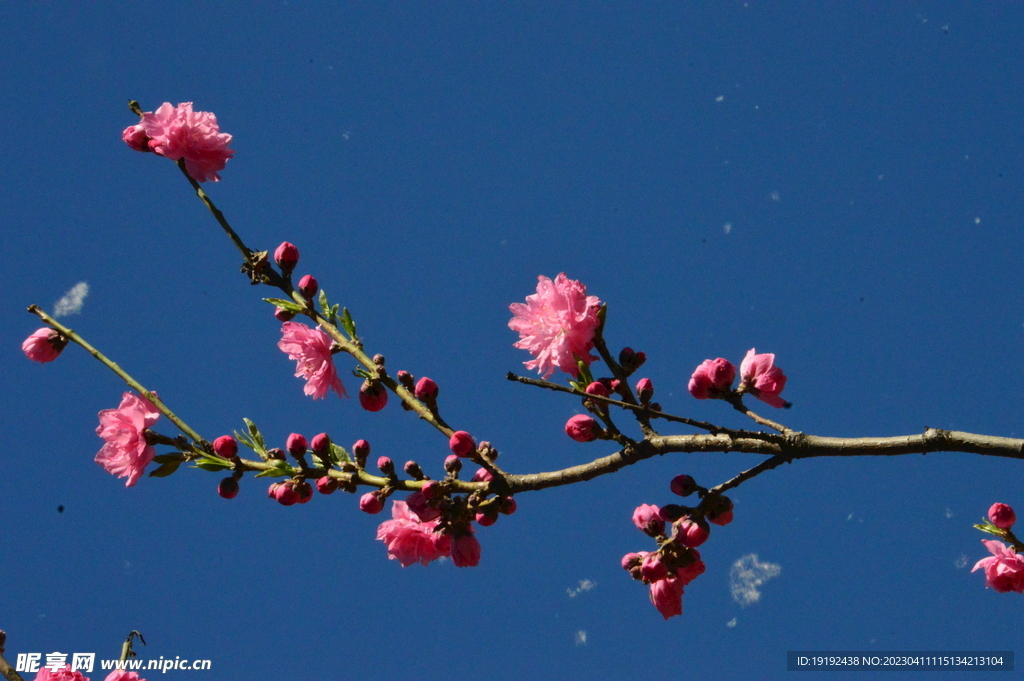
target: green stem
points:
(125, 376)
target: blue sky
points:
(839, 184)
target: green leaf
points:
(280, 470)
(289, 305)
(165, 470)
(324, 305)
(212, 463)
(348, 323)
(338, 454)
(168, 458)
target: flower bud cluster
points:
(676, 562)
(759, 376)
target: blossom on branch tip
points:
(409, 540)
(311, 350)
(712, 379)
(1002, 516)
(644, 390)
(762, 378)
(1004, 569)
(44, 345)
(126, 452)
(556, 325)
(647, 520)
(181, 133)
(583, 428)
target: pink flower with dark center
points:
(409, 540)
(44, 345)
(667, 596)
(126, 452)
(762, 379)
(1004, 569)
(712, 379)
(556, 325)
(311, 350)
(181, 133)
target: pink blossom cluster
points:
(409, 539)
(758, 376)
(556, 325)
(1004, 569)
(677, 562)
(181, 133)
(311, 350)
(126, 453)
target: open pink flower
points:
(44, 345)
(762, 379)
(179, 132)
(409, 540)
(556, 325)
(1004, 569)
(126, 453)
(311, 350)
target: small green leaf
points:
(280, 470)
(348, 323)
(212, 463)
(289, 305)
(168, 458)
(324, 305)
(586, 378)
(338, 454)
(166, 469)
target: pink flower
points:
(286, 256)
(762, 379)
(63, 674)
(582, 428)
(426, 389)
(693, 570)
(667, 596)
(44, 345)
(126, 453)
(556, 325)
(1004, 569)
(311, 350)
(647, 520)
(409, 540)
(1002, 516)
(181, 133)
(466, 551)
(712, 379)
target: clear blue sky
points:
(840, 184)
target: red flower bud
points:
(225, 446)
(287, 257)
